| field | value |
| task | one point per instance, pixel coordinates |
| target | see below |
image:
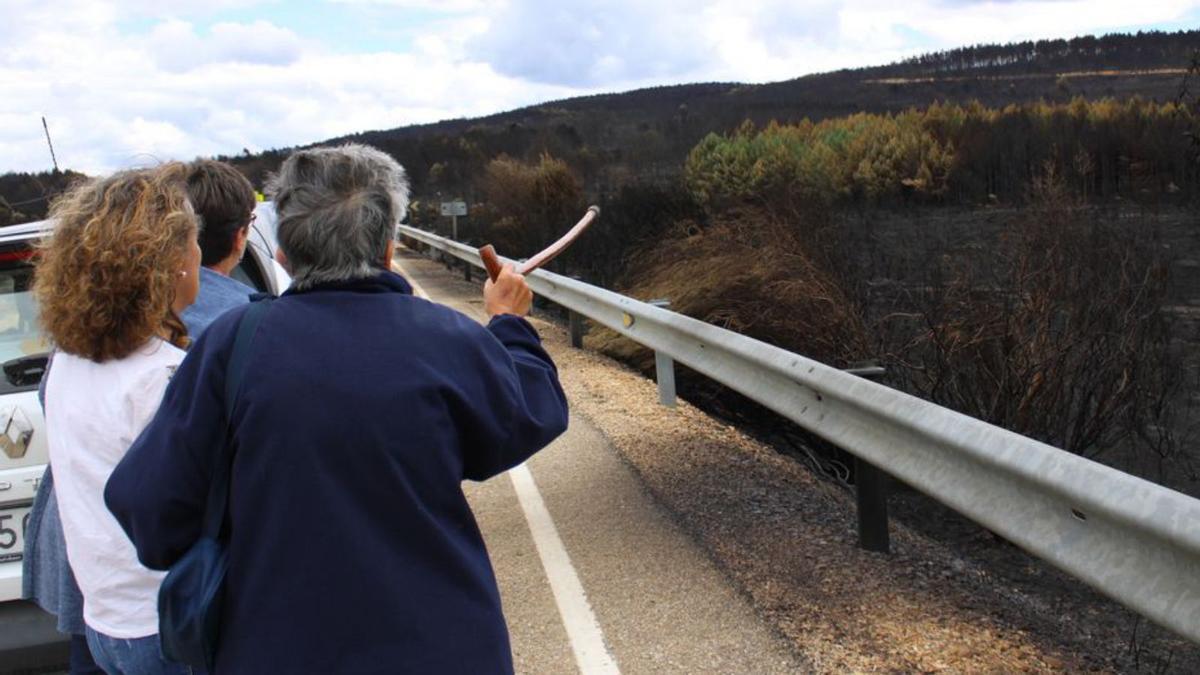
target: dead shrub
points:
(529, 206)
(1060, 336)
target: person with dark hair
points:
(351, 546)
(224, 200)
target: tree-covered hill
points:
(643, 136)
(1084, 53)
(24, 197)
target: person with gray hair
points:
(354, 195)
(351, 546)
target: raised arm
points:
(514, 405)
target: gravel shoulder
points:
(787, 541)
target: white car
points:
(23, 352)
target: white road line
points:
(417, 290)
(583, 630)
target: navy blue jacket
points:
(352, 548)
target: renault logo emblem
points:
(14, 440)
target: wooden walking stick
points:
(491, 261)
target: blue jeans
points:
(139, 656)
(82, 662)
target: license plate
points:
(14, 520)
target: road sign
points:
(454, 208)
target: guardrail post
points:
(870, 486)
(576, 321)
(664, 372)
(664, 367)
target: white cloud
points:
(177, 47)
(184, 83)
(593, 42)
(114, 100)
(446, 6)
(964, 23)
(588, 43)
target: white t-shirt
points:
(94, 411)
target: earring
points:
(183, 273)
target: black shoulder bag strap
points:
(218, 493)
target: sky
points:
(135, 82)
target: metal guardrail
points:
(1131, 539)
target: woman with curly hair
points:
(111, 281)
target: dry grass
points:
(749, 273)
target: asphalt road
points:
(657, 600)
(28, 641)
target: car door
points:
(258, 268)
(23, 453)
